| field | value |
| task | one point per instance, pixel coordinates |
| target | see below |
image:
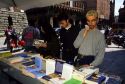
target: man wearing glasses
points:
(90, 42)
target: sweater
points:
(92, 45)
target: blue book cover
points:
(97, 79)
(59, 67)
(39, 74)
(22, 55)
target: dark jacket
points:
(67, 38)
(53, 46)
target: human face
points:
(64, 23)
(92, 22)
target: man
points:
(29, 35)
(68, 34)
(90, 42)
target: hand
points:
(44, 45)
(86, 27)
(37, 46)
(86, 31)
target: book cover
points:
(96, 78)
(59, 67)
(50, 66)
(28, 63)
(24, 55)
(15, 59)
(44, 65)
(73, 81)
(67, 71)
(39, 74)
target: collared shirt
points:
(92, 45)
(68, 27)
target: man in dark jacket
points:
(68, 34)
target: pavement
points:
(113, 63)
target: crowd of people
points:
(84, 47)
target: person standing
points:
(68, 34)
(51, 46)
(10, 35)
(29, 34)
(90, 42)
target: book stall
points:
(34, 69)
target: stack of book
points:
(57, 72)
(33, 69)
(87, 72)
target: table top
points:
(18, 72)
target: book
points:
(54, 75)
(24, 55)
(15, 59)
(88, 71)
(45, 81)
(37, 66)
(29, 63)
(59, 67)
(90, 82)
(27, 73)
(73, 81)
(33, 55)
(44, 64)
(38, 74)
(96, 78)
(50, 66)
(46, 77)
(67, 71)
(51, 76)
(58, 80)
(58, 71)
(78, 76)
(5, 54)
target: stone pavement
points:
(114, 62)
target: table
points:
(16, 74)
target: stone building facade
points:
(19, 19)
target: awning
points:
(27, 4)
